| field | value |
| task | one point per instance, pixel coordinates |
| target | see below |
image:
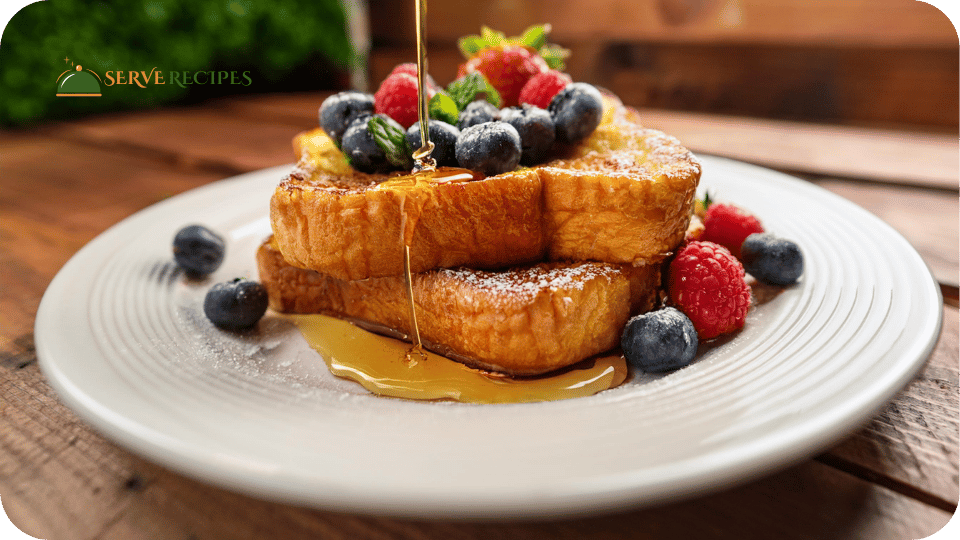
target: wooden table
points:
(63, 184)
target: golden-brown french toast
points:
(523, 321)
(623, 195)
(356, 226)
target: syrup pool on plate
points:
(381, 365)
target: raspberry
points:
(729, 226)
(397, 98)
(508, 68)
(541, 88)
(707, 283)
(411, 69)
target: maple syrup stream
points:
(422, 162)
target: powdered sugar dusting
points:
(526, 283)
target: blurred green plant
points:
(272, 42)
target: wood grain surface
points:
(843, 23)
(864, 62)
(62, 185)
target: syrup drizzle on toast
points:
(423, 163)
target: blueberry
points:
(198, 250)
(235, 305)
(362, 150)
(576, 111)
(490, 148)
(772, 260)
(536, 129)
(340, 110)
(477, 112)
(444, 139)
(659, 341)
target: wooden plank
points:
(911, 446)
(300, 109)
(59, 479)
(807, 501)
(875, 87)
(926, 218)
(54, 198)
(916, 158)
(194, 138)
(839, 22)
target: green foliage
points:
(534, 37)
(392, 141)
(442, 107)
(270, 41)
(466, 88)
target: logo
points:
(78, 83)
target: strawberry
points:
(507, 67)
(541, 88)
(707, 283)
(729, 226)
(508, 63)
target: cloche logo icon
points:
(78, 83)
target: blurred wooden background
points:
(869, 63)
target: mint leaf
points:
(465, 89)
(443, 107)
(554, 56)
(470, 45)
(392, 141)
(491, 37)
(535, 37)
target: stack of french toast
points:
(521, 273)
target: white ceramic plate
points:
(122, 338)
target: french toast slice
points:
(357, 225)
(624, 195)
(523, 321)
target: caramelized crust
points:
(352, 228)
(522, 321)
(624, 195)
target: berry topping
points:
(397, 98)
(577, 111)
(236, 304)
(541, 88)
(198, 250)
(340, 110)
(508, 67)
(362, 150)
(444, 139)
(729, 226)
(490, 148)
(478, 112)
(772, 260)
(659, 341)
(536, 130)
(707, 283)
